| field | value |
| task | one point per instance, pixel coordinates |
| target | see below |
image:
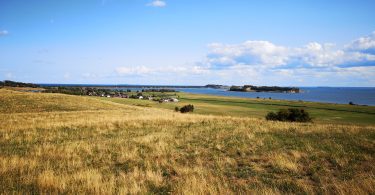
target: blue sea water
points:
(340, 95)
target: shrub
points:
(290, 114)
(187, 108)
(176, 109)
(272, 116)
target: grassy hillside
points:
(52, 143)
(21, 102)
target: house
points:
(173, 100)
(108, 96)
(247, 88)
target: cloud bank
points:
(264, 54)
(265, 63)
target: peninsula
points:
(252, 88)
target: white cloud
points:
(89, 75)
(198, 70)
(3, 32)
(157, 3)
(259, 53)
(267, 54)
(263, 62)
(364, 44)
(160, 71)
(134, 70)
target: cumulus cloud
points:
(263, 62)
(266, 54)
(364, 44)
(3, 32)
(252, 53)
(157, 3)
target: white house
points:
(174, 100)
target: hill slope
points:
(68, 144)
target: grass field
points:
(258, 108)
(54, 143)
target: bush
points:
(187, 108)
(176, 109)
(290, 114)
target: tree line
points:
(8, 83)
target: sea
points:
(338, 95)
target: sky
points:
(189, 42)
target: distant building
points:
(173, 100)
(247, 88)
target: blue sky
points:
(189, 42)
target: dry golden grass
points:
(91, 146)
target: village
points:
(160, 95)
(140, 96)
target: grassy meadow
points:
(258, 108)
(55, 143)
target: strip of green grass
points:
(247, 107)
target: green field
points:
(64, 144)
(258, 108)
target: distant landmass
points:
(8, 83)
(252, 88)
(214, 86)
